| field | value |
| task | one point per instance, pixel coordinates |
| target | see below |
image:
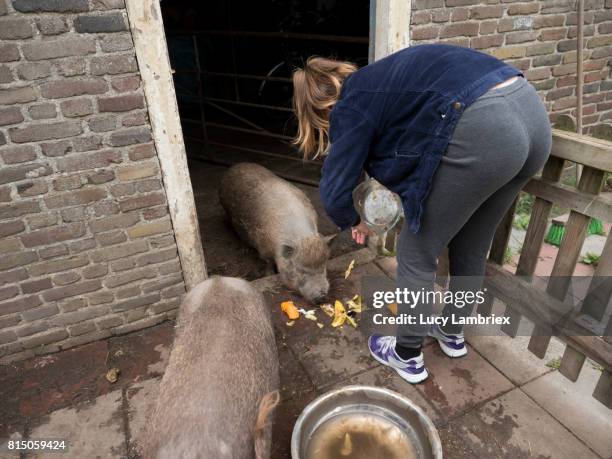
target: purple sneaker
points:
(452, 345)
(382, 349)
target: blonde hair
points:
(316, 88)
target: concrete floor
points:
(499, 401)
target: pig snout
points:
(315, 289)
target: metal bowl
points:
(386, 404)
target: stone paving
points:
(499, 401)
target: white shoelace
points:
(386, 342)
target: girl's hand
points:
(360, 233)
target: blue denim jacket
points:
(394, 120)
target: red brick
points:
(69, 291)
(10, 228)
(141, 152)
(486, 12)
(17, 95)
(10, 115)
(18, 209)
(36, 285)
(33, 70)
(424, 33)
(51, 6)
(130, 136)
(116, 42)
(553, 34)
(42, 49)
(53, 235)
(113, 222)
(487, 41)
(123, 103)
(20, 304)
(35, 132)
(140, 202)
(32, 188)
(73, 87)
(17, 173)
(125, 84)
(42, 111)
(52, 25)
(98, 159)
(18, 154)
(74, 198)
(523, 8)
(113, 65)
(457, 30)
(56, 148)
(15, 28)
(9, 52)
(459, 14)
(76, 107)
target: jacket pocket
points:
(400, 167)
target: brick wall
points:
(538, 37)
(86, 243)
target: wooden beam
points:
(391, 26)
(581, 149)
(569, 198)
(152, 55)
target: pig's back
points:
(224, 361)
(264, 208)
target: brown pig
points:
(220, 387)
(279, 221)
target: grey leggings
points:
(500, 142)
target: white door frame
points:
(153, 61)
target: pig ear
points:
(329, 238)
(287, 251)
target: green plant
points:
(508, 254)
(521, 221)
(524, 204)
(591, 259)
(555, 363)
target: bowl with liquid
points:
(364, 422)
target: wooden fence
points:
(584, 202)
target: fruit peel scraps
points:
(328, 309)
(310, 314)
(354, 304)
(339, 314)
(290, 310)
(349, 269)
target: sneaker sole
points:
(450, 352)
(412, 379)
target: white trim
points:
(152, 54)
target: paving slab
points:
(143, 354)
(285, 416)
(514, 426)
(387, 378)
(457, 385)
(92, 430)
(141, 399)
(294, 379)
(512, 358)
(573, 406)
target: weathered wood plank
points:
(581, 149)
(538, 222)
(568, 197)
(603, 390)
(571, 363)
(152, 54)
(540, 307)
(573, 238)
(599, 293)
